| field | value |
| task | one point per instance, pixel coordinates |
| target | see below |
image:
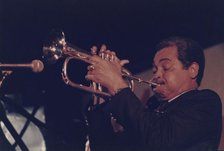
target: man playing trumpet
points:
(178, 117)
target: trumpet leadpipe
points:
(150, 83)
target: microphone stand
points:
(5, 73)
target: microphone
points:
(35, 65)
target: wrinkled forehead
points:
(167, 53)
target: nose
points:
(156, 75)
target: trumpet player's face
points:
(170, 74)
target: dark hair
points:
(189, 51)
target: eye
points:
(167, 67)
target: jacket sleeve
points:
(187, 124)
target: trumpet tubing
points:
(57, 48)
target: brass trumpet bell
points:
(54, 47)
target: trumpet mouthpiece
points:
(154, 84)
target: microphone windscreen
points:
(37, 66)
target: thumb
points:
(123, 62)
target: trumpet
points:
(58, 48)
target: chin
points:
(160, 96)
(161, 92)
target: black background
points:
(129, 27)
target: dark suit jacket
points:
(191, 122)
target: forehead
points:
(167, 53)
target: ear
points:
(193, 70)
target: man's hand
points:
(106, 69)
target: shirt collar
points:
(180, 95)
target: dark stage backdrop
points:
(129, 27)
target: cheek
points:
(172, 80)
(176, 79)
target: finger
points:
(90, 77)
(93, 85)
(95, 59)
(103, 47)
(113, 53)
(102, 51)
(112, 56)
(93, 50)
(107, 55)
(90, 68)
(115, 58)
(123, 62)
